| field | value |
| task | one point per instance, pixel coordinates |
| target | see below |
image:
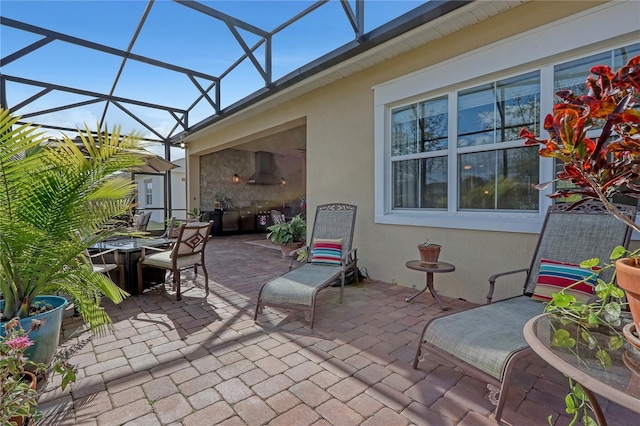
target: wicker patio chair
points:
(333, 225)
(487, 340)
(187, 252)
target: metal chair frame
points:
(501, 320)
(105, 267)
(186, 252)
(299, 287)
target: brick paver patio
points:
(184, 363)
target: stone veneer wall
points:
(216, 170)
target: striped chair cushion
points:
(326, 252)
(554, 276)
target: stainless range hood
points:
(264, 171)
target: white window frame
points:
(538, 49)
(148, 192)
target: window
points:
(494, 113)
(419, 143)
(447, 152)
(491, 116)
(148, 192)
(494, 171)
(487, 168)
(499, 180)
(571, 76)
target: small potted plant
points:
(17, 386)
(289, 236)
(18, 380)
(173, 226)
(429, 253)
(195, 213)
(221, 201)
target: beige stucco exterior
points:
(340, 160)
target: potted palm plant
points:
(289, 236)
(56, 199)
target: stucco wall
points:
(340, 163)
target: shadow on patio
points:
(182, 362)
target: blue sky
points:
(172, 33)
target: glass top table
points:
(131, 249)
(131, 244)
(619, 383)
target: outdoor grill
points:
(263, 213)
(253, 218)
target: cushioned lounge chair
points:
(327, 261)
(487, 340)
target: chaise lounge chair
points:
(487, 340)
(331, 256)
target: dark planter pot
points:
(47, 338)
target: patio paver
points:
(174, 362)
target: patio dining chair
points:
(141, 221)
(105, 267)
(487, 340)
(186, 252)
(331, 256)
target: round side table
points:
(438, 268)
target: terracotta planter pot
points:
(628, 277)
(429, 254)
(286, 249)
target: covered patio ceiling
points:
(137, 69)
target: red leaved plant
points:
(598, 168)
(608, 164)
